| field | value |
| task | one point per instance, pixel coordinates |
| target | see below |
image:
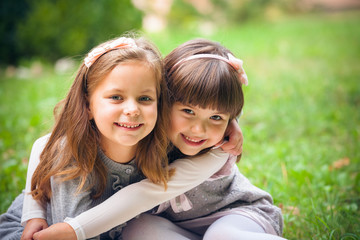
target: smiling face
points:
(124, 107)
(194, 129)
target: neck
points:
(119, 153)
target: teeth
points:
(192, 140)
(127, 126)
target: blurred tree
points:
(183, 14)
(53, 29)
(242, 10)
(11, 12)
(187, 13)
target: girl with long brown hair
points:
(109, 132)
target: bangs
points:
(207, 84)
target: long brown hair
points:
(71, 151)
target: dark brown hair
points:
(71, 151)
(203, 82)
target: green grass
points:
(25, 115)
(301, 117)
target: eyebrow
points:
(222, 113)
(121, 90)
(149, 91)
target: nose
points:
(198, 127)
(131, 108)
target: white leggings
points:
(231, 227)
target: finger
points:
(236, 150)
(36, 236)
(239, 148)
(26, 235)
(228, 146)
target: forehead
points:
(129, 75)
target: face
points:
(124, 107)
(194, 129)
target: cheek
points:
(173, 118)
(172, 129)
(177, 123)
(93, 112)
(102, 112)
(151, 113)
(217, 132)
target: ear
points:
(89, 113)
(88, 109)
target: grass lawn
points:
(301, 118)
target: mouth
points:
(129, 126)
(192, 141)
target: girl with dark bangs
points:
(205, 86)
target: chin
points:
(190, 152)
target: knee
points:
(144, 227)
(231, 227)
(144, 223)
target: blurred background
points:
(301, 118)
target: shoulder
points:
(41, 142)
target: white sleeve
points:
(142, 196)
(32, 208)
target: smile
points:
(129, 126)
(192, 141)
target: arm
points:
(32, 208)
(145, 195)
(33, 212)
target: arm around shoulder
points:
(142, 196)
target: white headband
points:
(236, 63)
(122, 42)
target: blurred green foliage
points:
(229, 12)
(240, 10)
(50, 30)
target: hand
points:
(57, 231)
(32, 226)
(235, 141)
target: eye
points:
(216, 118)
(116, 97)
(188, 111)
(145, 99)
